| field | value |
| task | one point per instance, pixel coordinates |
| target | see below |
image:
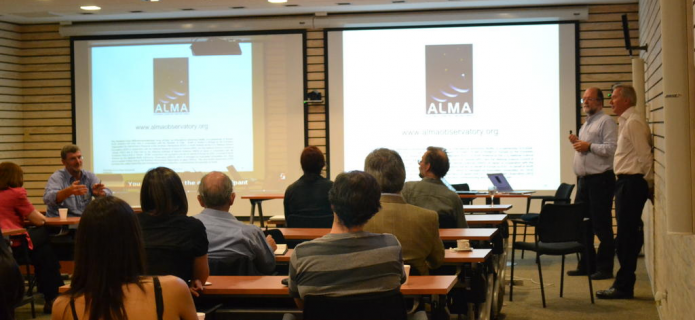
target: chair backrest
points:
(235, 265)
(461, 187)
(388, 305)
(560, 223)
(302, 221)
(564, 192)
(277, 235)
(12, 282)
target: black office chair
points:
(12, 293)
(236, 265)
(387, 305)
(21, 255)
(562, 195)
(558, 233)
(302, 221)
(463, 187)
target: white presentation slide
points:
(187, 126)
(193, 104)
(498, 98)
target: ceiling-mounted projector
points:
(215, 47)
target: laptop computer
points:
(499, 181)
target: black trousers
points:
(596, 191)
(631, 192)
(46, 265)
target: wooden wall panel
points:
(35, 101)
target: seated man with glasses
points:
(72, 187)
(431, 193)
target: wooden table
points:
(257, 200)
(13, 232)
(485, 219)
(56, 222)
(484, 234)
(272, 286)
(499, 195)
(486, 208)
(450, 256)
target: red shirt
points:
(14, 209)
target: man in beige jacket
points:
(417, 229)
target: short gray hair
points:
(215, 189)
(387, 168)
(68, 148)
(627, 91)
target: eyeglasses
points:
(419, 161)
(589, 99)
(75, 158)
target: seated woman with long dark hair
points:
(175, 243)
(108, 281)
(15, 208)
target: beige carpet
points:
(576, 304)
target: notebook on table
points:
(282, 249)
(499, 181)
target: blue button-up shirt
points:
(62, 179)
(228, 236)
(602, 132)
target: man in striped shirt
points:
(348, 260)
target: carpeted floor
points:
(576, 304)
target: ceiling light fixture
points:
(277, 1)
(90, 8)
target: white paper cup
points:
(406, 267)
(201, 315)
(63, 213)
(463, 244)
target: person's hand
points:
(98, 190)
(271, 242)
(196, 288)
(573, 138)
(78, 189)
(581, 146)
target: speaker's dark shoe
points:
(613, 293)
(578, 272)
(600, 275)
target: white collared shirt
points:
(634, 152)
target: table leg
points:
(253, 210)
(260, 212)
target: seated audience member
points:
(72, 187)
(109, 282)
(431, 193)
(348, 260)
(417, 229)
(308, 196)
(175, 243)
(11, 282)
(15, 208)
(228, 237)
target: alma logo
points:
(449, 79)
(171, 86)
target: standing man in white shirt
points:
(593, 165)
(633, 165)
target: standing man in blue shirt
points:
(72, 187)
(593, 165)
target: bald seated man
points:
(227, 236)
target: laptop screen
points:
(499, 181)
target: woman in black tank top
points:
(109, 257)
